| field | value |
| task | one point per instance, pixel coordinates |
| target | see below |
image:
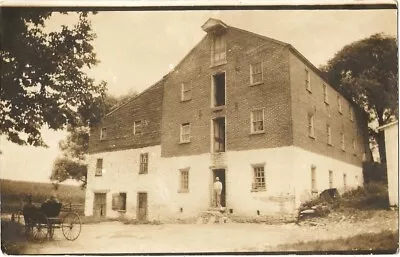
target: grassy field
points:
(12, 192)
(387, 241)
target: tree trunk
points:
(380, 138)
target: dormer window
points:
(218, 49)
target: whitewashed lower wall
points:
(121, 174)
(303, 161)
(287, 173)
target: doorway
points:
(142, 206)
(220, 173)
(99, 206)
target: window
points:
(307, 80)
(314, 179)
(119, 202)
(344, 181)
(328, 132)
(137, 127)
(257, 121)
(218, 89)
(339, 102)
(311, 125)
(259, 178)
(144, 163)
(103, 133)
(256, 73)
(330, 179)
(184, 181)
(218, 50)
(186, 93)
(185, 133)
(325, 88)
(219, 134)
(351, 113)
(353, 143)
(357, 181)
(342, 140)
(99, 167)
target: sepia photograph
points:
(184, 130)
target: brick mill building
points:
(244, 107)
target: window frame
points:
(185, 88)
(99, 167)
(252, 130)
(311, 125)
(144, 163)
(252, 82)
(325, 92)
(342, 141)
(184, 180)
(223, 60)
(329, 134)
(314, 184)
(118, 202)
(181, 139)
(103, 133)
(340, 104)
(351, 113)
(137, 127)
(214, 99)
(308, 80)
(330, 179)
(258, 186)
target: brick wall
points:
(146, 107)
(243, 48)
(305, 103)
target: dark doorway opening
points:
(142, 207)
(220, 173)
(219, 135)
(99, 205)
(219, 89)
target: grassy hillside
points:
(12, 192)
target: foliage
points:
(72, 164)
(374, 171)
(373, 195)
(12, 193)
(366, 70)
(42, 75)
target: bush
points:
(374, 171)
(373, 195)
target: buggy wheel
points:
(71, 226)
(41, 228)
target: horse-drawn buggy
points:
(39, 223)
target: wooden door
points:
(99, 206)
(142, 207)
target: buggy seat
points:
(51, 209)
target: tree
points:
(366, 70)
(43, 82)
(72, 164)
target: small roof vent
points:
(214, 25)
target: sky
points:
(136, 49)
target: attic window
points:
(218, 49)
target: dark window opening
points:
(219, 135)
(219, 89)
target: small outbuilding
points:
(392, 160)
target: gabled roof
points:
(136, 96)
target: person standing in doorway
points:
(217, 192)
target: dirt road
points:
(115, 237)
